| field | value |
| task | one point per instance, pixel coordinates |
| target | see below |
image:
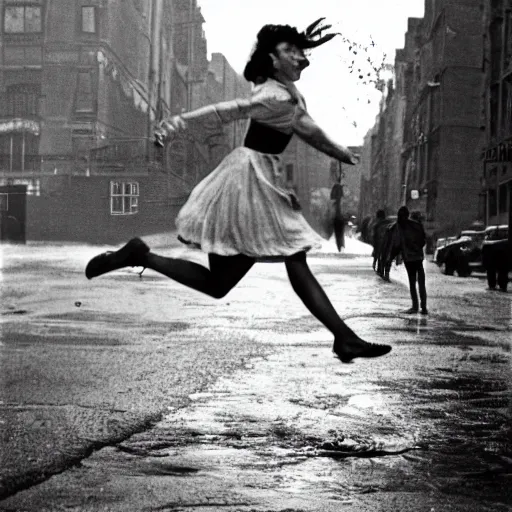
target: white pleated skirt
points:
(242, 207)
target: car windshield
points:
(496, 233)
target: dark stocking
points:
(313, 296)
(347, 344)
(225, 272)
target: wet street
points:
(129, 394)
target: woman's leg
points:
(347, 344)
(411, 274)
(224, 274)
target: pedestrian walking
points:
(379, 239)
(408, 239)
(385, 252)
(242, 212)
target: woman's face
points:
(289, 61)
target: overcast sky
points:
(336, 98)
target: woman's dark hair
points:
(260, 66)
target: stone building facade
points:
(433, 114)
(496, 175)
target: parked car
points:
(462, 255)
(440, 243)
(494, 233)
(497, 256)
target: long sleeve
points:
(270, 103)
(212, 117)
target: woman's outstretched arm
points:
(208, 118)
(307, 129)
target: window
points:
(88, 19)
(19, 152)
(502, 201)
(22, 19)
(84, 92)
(124, 197)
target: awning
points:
(20, 125)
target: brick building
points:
(496, 177)
(82, 83)
(386, 145)
(438, 84)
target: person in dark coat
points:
(497, 260)
(409, 239)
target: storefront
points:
(496, 184)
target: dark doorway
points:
(13, 211)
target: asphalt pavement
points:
(128, 394)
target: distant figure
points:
(365, 230)
(379, 231)
(409, 239)
(386, 250)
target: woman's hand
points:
(355, 158)
(168, 128)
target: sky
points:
(337, 99)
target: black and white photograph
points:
(255, 256)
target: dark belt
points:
(266, 139)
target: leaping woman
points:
(242, 212)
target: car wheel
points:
(448, 270)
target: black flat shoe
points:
(130, 255)
(365, 349)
